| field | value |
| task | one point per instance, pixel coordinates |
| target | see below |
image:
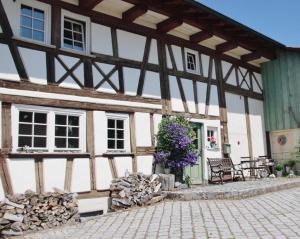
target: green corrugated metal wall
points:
(281, 82)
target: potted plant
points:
(175, 148)
(279, 168)
(289, 165)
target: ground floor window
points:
(212, 138)
(118, 138)
(47, 129)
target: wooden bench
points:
(223, 169)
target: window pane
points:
(61, 119)
(67, 25)
(77, 27)
(111, 123)
(24, 140)
(68, 44)
(39, 36)
(111, 144)
(73, 132)
(120, 134)
(60, 131)
(60, 142)
(26, 21)
(38, 25)
(40, 118)
(38, 14)
(78, 46)
(73, 120)
(68, 34)
(73, 143)
(39, 142)
(120, 144)
(26, 10)
(40, 130)
(25, 32)
(25, 116)
(111, 134)
(78, 37)
(25, 129)
(120, 124)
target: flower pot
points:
(279, 173)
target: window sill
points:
(117, 154)
(48, 155)
(213, 149)
(25, 40)
(81, 53)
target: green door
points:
(196, 172)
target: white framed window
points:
(118, 136)
(192, 61)
(212, 138)
(34, 21)
(75, 32)
(48, 129)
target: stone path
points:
(274, 215)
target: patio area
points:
(234, 190)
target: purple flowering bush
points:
(175, 148)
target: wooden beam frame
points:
(134, 12)
(200, 36)
(251, 56)
(226, 46)
(169, 24)
(89, 4)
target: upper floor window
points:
(32, 25)
(191, 61)
(74, 34)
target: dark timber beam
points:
(251, 56)
(200, 36)
(226, 46)
(134, 12)
(89, 4)
(169, 24)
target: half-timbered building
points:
(85, 83)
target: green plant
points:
(279, 167)
(188, 181)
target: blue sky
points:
(278, 19)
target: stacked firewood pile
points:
(33, 212)
(137, 189)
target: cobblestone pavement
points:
(275, 215)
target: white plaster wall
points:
(1, 31)
(189, 94)
(44, 95)
(176, 102)
(2, 193)
(201, 90)
(205, 64)
(144, 164)
(81, 181)
(259, 81)
(0, 124)
(131, 80)
(101, 39)
(285, 151)
(153, 55)
(22, 174)
(8, 69)
(245, 85)
(213, 108)
(60, 71)
(178, 57)
(35, 65)
(142, 129)
(122, 164)
(232, 77)
(93, 204)
(54, 173)
(100, 132)
(97, 77)
(103, 173)
(237, 128)
(257, 125)
(131, 46)
(156, 120)
(152, 85)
